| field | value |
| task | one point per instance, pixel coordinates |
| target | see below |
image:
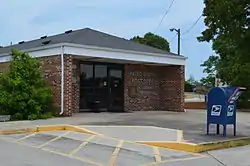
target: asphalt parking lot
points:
(53, 148)
(72, 148)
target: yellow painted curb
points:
(187, 147)
(80, 130)
(18, 131)
(49, 128)
(206, 146)
(202, 147)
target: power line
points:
(165, 14)
(192, 25)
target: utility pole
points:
(179, 38)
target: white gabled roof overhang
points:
(100, 52)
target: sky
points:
(28, 19)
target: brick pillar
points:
(68, 111)
(52, 73)
(76, 85)
(172, 88)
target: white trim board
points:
(100, 52)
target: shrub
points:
(24, 94)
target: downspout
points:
(62, 80)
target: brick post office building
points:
(87, 69)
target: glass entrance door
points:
(116, 93)
(101, 87)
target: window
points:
(86, 75)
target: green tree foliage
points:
(24, 94)
(191, 80)
(227, 24)
(188, 87)
(190, 83)
(152, 40)
(210, 69)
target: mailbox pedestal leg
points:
(224, 130)
(234, 129)
(207, 129)
(218, 129)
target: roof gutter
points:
(62, 80)
(96, 48)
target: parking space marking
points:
(74, 157)
(52, 140)
(25, 137)
(174, 160)
(113, 157)
(112, 160)
(81, 145)
(55, 152)
(157, 154)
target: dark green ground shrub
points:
(24, 94)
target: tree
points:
(191, 80)
(152, 40)
(24, 94)
(188, 87)
(190, 83)
(227, 23)
(210, 69)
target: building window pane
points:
(86, 75)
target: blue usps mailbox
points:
(221, 107)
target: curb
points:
(198, 148)
(47, 129)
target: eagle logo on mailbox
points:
(230, 110)
(216, 110)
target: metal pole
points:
(179, 41)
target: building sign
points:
(132, 91)
(140, 74)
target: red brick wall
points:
(52, 66)
(155, 87)
(144, 80)
(52, 72)
(172, 88)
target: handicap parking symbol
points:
(230, 110)
(216, 110)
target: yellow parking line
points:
(115, 153)
(54, 139)
(82, 145)
(74, 157)
(25, 137)
(157, 154)
(179, 135)
(173, 160)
